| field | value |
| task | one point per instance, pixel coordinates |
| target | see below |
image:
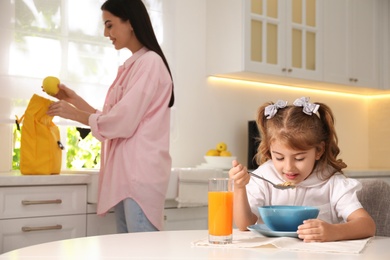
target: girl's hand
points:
(359, 225)
(316, 230)
(239, 174)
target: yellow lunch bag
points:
(40, 147)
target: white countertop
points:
(15, 178)
(174, 245)
(368, 173)
(89, 178)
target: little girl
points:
(299, 145)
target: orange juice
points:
(220, 213)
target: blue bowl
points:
(286, 218)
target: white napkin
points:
(248, 239)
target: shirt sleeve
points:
(139, 90)
(344, 195)
(258, 191)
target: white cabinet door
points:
(384, 67)
(364, 43)
(284, 38)
(98, 225)
(250, 39)
(174, 219)
(186, 218)
(22, 232)
(266, 38)
(351, 42)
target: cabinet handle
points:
(29, 229)
(36, 202)
(284, 70)
(353, 80)
(289, 70)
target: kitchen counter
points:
(15, 178)
(90, 178)
(369, 173)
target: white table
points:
(171, 245)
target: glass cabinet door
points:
(303, 34)
(265, 26)
(284, 36)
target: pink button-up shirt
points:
(134, 129)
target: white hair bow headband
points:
(308, 108)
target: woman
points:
(134, 124)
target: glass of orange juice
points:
(220, 209)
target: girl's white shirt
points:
(335, 197)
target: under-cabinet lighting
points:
(295, 88)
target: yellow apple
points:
(221, 147)
(212, 152)
(50, 85)
(225, 153)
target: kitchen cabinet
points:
(174, 219)
(351, 33)
(31, 215)
(385, 44)
(100, 225)
(186, 218)
(260, 38)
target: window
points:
(63, 38)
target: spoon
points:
(277, 186)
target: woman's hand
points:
(62, 109)
(68, 111)
(239, 174)
(66, 94)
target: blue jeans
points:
(130, 218)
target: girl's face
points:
(120, 33)
(294, 166)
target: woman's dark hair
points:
(135, 12)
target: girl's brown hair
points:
(299, 131)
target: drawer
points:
(34, 201)
(39, 230)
